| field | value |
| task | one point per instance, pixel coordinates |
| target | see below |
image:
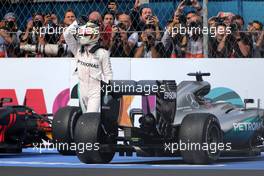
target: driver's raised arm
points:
(69, 37)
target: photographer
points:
(241, 42)
(150, 47)
(220, 45)
(124, 39)
(51, 25)
(197, 9)
(194, 47)
(174, 42)
(106, 36)
(257, 34)
(32, 34)
(195, 37)
(143, 16)
(9, 36)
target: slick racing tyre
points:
(203, 131)
(63, 127)
(89, 132)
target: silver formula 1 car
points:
(184, 123)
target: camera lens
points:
(234, 27)
(10, 25)
(37, 23)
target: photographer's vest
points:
(3, 52)
(194, 48)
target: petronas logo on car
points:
(247, 126)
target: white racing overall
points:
(91, 68)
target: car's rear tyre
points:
(202, 130)
(89, 131)
(63, 127)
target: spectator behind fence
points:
(105, 37)
(149, 47)
(51, 24)
(174, 42)
(143, 15)
(195, 37)
(124, 38)
(9, 36)
(257, 34)
(219, 44)
(106, 29)
(194, 27)
(112, 7)
(241, 42)
(32, 35)
(108, 18)
(69, 18)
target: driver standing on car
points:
(93, 63)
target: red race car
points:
(20, 127)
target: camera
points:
(150, 17)
(48, 49)
(188, 2)
(234, 27)
(9, 26)
(150, 37)
(195, 24)
(121, 26)
(219, 20)
(37, 23)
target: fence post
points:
(240, 7)
(205, 24)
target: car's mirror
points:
(248, 101)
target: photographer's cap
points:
(10, 15)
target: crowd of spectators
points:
(138, 33)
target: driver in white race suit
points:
(93, 63)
